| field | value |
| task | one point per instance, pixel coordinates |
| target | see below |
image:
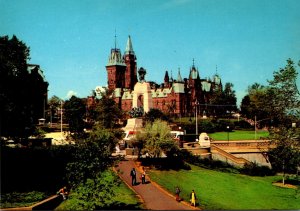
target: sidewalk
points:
(154, 197)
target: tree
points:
(54, 105)
(283, 103)
(91, 156)
(74, 113)
(286, 156)
(253, 104)
(224, 102)
(15, 105)
(158, 139)
(107, 111)
(154, 114)
(283, 95)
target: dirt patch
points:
(279, 184)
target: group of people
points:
(133, 174)
(193, 196)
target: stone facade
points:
(175, 96)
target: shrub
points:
(242, 124)
(207, 126)
(174, 163)
(16, 199)
(93, 194)
(207, 163)
(253, 169)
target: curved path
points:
(153, 196)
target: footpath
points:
(153, 196)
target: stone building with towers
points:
(177, 96)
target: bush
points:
(16, 199)
(174, 163)
(207, 163)
(253, 169)
(207, 127)
(242, 124)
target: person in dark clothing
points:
(177, 192)
(133, 176)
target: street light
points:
(227, 134)
(196, 115)
(61, 119)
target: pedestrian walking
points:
(193, 198)
(133, 176)
(177, 192)
(143, 176)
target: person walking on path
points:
(143, 176)
(177, 192)
(133, 176)
(193, 198)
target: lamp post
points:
(196, 115)
(227, 134)
(255, 123)
(61, 120)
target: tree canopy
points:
(74, 113)
(107, 111)
(22, 93)
(158, 140)
(280, 103)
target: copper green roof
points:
(217, 79)
(129, 48)
(206, 86)
(179, 78)
(178, 87)
(194, 73)
(115, 58)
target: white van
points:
(204, 140)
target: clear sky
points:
(71, 39)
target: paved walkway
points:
(154, 197)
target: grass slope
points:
(218, 190)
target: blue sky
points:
(71, 39)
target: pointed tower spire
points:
(115, 39)
(129, 48)
(179, 78)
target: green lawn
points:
(218, 190)
(239, 135)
